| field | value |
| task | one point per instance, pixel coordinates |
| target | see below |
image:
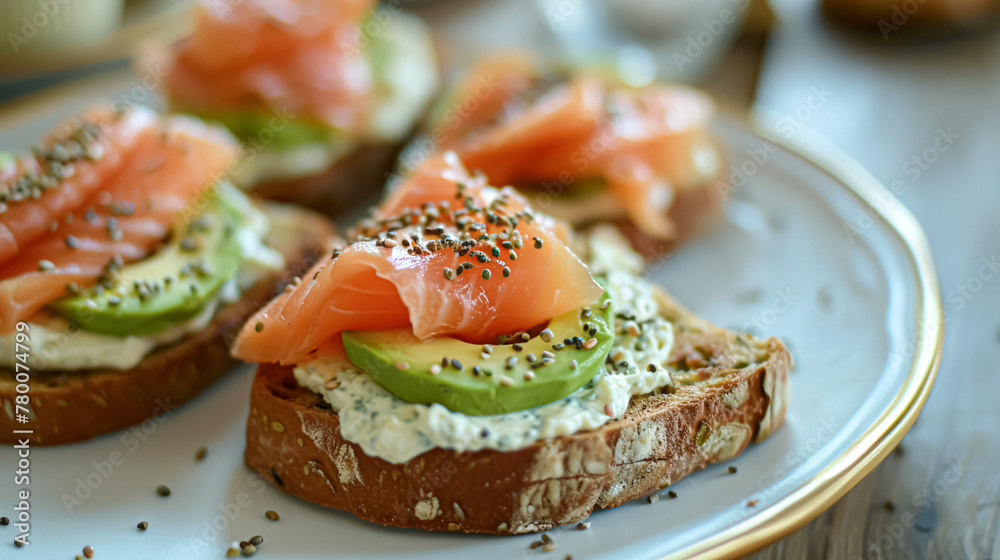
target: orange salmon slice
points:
(516, 273)
(131, 213)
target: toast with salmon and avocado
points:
(125, 259)
(322, 92)
(459, 368)
(585, 146)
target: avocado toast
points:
(127, 260)
(322, 92)
(459, 368)
(585, 145)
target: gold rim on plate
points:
(821, 491)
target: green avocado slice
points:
(170, 287)
(271, 130)
(465, 379)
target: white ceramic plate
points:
(781, 263)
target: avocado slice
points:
(170, 287)
(468, 380)
(282, 134)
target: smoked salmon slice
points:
(299, 57)
(131, 212)
(71, 164)
(646, 143)
(446, 255)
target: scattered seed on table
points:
(272, 515)
(163, 490)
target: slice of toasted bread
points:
(730, 389)
(351, 180)
(74, 406)
(691, 212)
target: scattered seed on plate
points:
(4, 521)
(163, 490)
(752, 503)
(535, 544)
(272, 515)
(200, 454)
(584, 525)
(88, 551)
(143, 525)
(732, 470)
(653, 498)
(549, 547)
(672, 494)
(546, 538)
(249, 550)
(256, 540)
(233, 553)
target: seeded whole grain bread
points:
(67, 407)
(693, 210)
(353, 179)
(731, 389)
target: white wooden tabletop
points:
(925, 117)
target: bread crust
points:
(353, 179)
(68, 407)
(691, 212)
(294, 441)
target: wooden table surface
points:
(925, 114)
